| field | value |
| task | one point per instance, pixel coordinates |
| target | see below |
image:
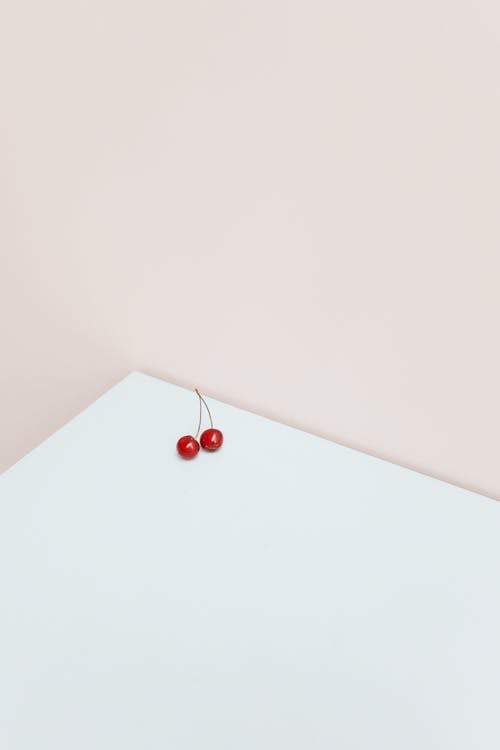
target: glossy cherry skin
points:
(187, 446)
(211, 439)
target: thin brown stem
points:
(206, 407)
(199, 418)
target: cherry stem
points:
(208, 410)
(199, 419)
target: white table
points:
(282, 593)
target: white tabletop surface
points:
(285, 592)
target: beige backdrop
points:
(292, 205)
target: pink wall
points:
(294, 206)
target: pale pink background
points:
(294, 206)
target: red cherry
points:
(187, 446)
(211, 439)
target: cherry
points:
(188, 446)
(211, 439)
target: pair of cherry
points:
(210, 439)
